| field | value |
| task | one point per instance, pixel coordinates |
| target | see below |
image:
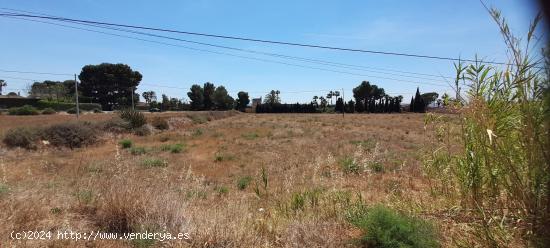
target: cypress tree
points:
(411, 106)
(418, 102)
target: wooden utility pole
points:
(343, 104)
(76, 95)
(133, 108)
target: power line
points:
(234, 55)
(309, 60)
(34, 72)
(256, 40)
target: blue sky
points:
(439, 28)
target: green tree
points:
(419, 105)
(242, 100)
(273, 97)
(429, 97)
(208, 93)
(222, 100)
(110, 85)
(196, 96)
(2, 84)
(149, 96)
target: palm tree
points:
(2, 84)
(329, 96)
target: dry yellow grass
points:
(104, 187)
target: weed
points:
(154, 162)
(84, 196)
(243, 182)
(222, 190)
(160, 123)
(173, 148)
(134, 118)
(349, 165)
(197, 132)
(4, 189)
(138, 150)
(55, 210)
(71, 135)
(24, 137)
(250, 136)
(219, 157)
(384, 227)
(125, 143)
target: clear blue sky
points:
(440, 28)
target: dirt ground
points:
(196, 191)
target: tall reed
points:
(499, 165)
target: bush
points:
(114, 125)
(349, 165)
(159, 123)
(97, 110)
(243, 182)
(142, 131)
(48, 111)
(25, 110)
(385, 227)
(125, 143)
(154, 162)
(22, 137)
(173, 148)
(138, 150)
(71, 111)
(71, 135)
(134, 118)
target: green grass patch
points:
(154, 162)
(138, 150)
(385, 227)
(173, 148)
(243, 182)
(349, 165)
(125, 143)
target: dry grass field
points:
(248, 180)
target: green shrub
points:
(173, 148)
(138, 150)
(71, 135)
(154, 162)
(243, 182)
(24, 137)
(377, 167)
(134, 118)
(349, 166)
(25, 110)
(298, 202)
(125, 143)
(48, 111)
(160, 123)
(384, 227)
(222, 190)
(97, 110)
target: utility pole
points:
(343, 104)
(133, 108)
(76, 94)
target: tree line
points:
(113, 86)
